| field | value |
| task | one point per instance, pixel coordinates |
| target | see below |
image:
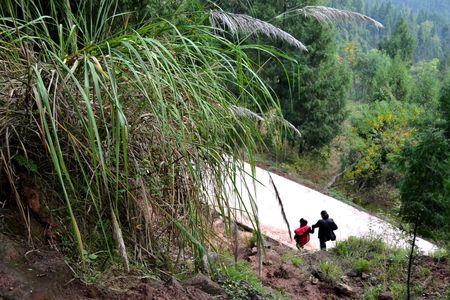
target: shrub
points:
(332, 271)
(441, 254)
(360, 247)
(293, 258)
(373, 293)
(297, 261)
(241, 283)
(399, 291)
(362, 266)
(380, 134)
(342, 248)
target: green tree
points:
(391, 80)
(445, 106)
(400, 79)
(402, 42)
(312, 89)
(423, 190)
(426, 83)
(317, 102)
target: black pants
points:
(323, 245)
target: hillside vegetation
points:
(435, 6)
(123, 125)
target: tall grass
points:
(128, 124)
(134, 122)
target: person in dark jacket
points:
(301, 236)
(326, 227)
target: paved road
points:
(302, 202)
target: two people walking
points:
(326, 227)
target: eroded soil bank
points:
(43, 274)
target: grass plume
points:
(240, 23)
(329, 14)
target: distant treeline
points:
(427, 20)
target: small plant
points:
(332, 271)
(241, 281)
(441, 254)
(424, 272)
(360, 247)
(342, 248)
(26, 163)
(297, 261)
(253, 240)
(89, 257)
(398, 291)
(362, 266)
(373, 293)
(291, 257)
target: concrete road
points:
(302, 202)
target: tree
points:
(317, 101)
(369, 74)
(424, 190)
(391, 79)
(313, 88)
(400, 79)
(401, 42)
(427, 84)
(445, 106)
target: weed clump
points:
(362, 266)
(332, 271)
(241, 282)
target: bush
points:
(241, 279)
(441, 254)
(360, 247)
(372, 293)
(362, 266)
(342, 248)
(293, 258)
(380, 134)
(297, 261)
(332, 271)
(399, 291)
(122, 121)
(241, 283)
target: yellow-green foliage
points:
(380, 134)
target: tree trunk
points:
(410, 263)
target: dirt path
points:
(302, 202)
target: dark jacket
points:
(325, 228)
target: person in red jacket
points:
(302, 234)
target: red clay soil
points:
(295, 282)
(309, 282)
(42, 274)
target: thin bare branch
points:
(280, 202)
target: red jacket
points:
(302, 235)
